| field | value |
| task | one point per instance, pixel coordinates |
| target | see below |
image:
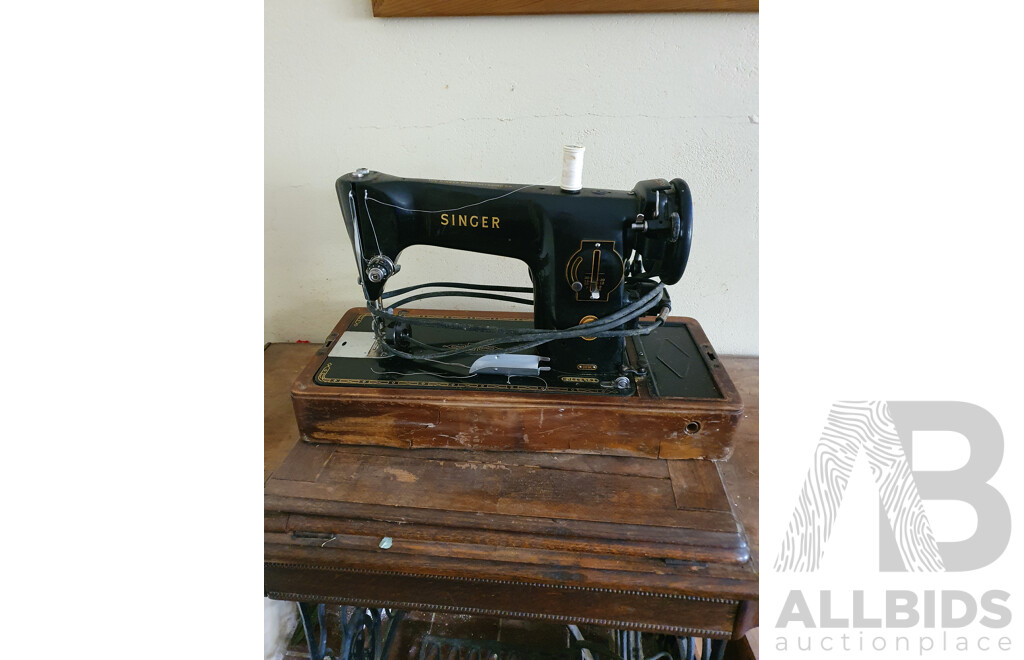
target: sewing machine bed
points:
(686, 407)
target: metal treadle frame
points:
(369, 634)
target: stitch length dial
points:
(594, 270)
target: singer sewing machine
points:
(598, 367)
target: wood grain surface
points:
(283, 362)
(644, 424)
(397, 8)
(643, 543)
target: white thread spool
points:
(572, 168)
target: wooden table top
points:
(617, 542)
(283, 362)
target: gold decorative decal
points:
(604, 274)
(587, 319)
(579, 379)
(404, 312)
(473, 221)
(323, 379)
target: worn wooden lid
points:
(509, 533)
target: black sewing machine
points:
(592, 255)
(599, 261)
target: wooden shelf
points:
(398, 8)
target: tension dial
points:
(594, 270)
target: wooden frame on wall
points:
(390, 8)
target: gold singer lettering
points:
(474, 221)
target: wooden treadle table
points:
(626, 543)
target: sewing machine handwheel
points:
(667, 258)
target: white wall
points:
(493, 99)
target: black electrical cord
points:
(632, 311)
(532, 338)
(515, 348)
(458, 285)
(615, 319)
(462, 294)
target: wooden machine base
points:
(683, 407)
